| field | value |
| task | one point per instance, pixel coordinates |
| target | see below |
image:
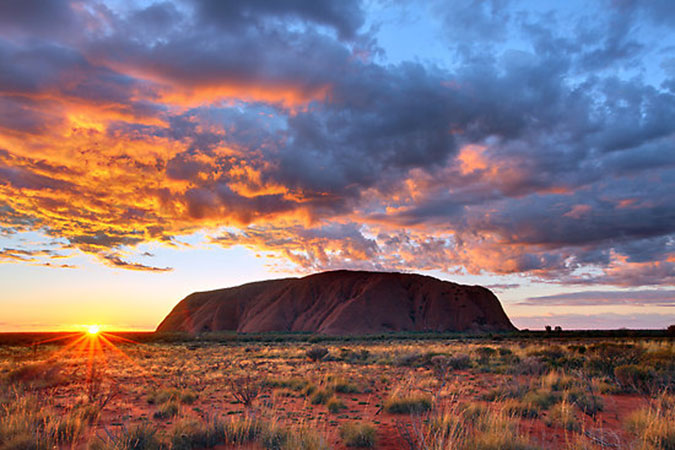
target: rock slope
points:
(339, 303)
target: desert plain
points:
(393, 391)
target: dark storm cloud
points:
(345, 17)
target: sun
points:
(93, 329)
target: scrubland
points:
(455, 393)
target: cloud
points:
(651, 297)
(116, 261)
(278, 122)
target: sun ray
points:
(118, 338)
(115, 349)
(58, 338)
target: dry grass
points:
(435, 394)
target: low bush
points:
(485, 354)
(607, 356)
(317, 353)
(246, 389)
(459, 362)
(634, 378)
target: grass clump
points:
(497, 430)
(27, 423)
(188, 434)
(294, 384)
(162, 396)
(520, 408)
(141, 437)
(471, 427)
(564, 416)
(541, 399)
(408, 404)
(305, 439)
(321, 397)
(345, 387)
(654, 425)
(167, 410)
(358, 435)
(37, 375)
(240, 431)
(335, 405)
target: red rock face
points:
(340, 303)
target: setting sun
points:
(93, 329)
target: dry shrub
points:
(317, 354)
(246, 389)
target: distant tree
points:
(558, 328)
(548, 328)
(671, 331)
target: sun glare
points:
(93, 329)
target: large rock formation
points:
(341, 302)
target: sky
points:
(152, 149)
